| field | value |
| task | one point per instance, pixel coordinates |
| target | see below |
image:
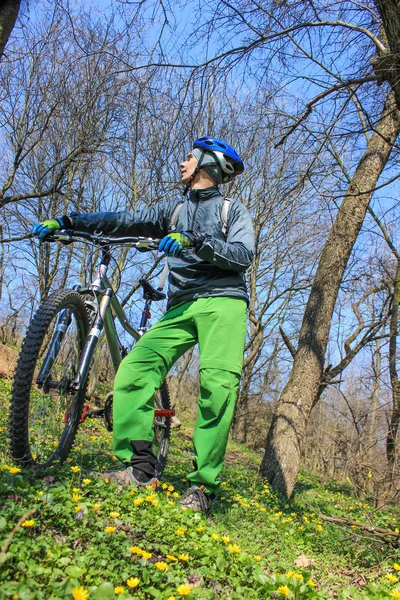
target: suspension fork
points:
(89, 347)
(63, 321)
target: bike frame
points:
(106, 300)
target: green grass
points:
(247, 549)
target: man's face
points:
(187, 167)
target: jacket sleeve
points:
(237, 252)
(148, 222)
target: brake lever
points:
(64, 237)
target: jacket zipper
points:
(195, 213)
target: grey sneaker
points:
(130, 476)
(196, 499)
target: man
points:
(207, 304)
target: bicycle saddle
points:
(150, 292)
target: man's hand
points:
(174, 243)
(44, 228)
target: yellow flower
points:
(164, 486)
(284, 590)
(319, 528)
(146, 555)
(132, 492)
(135, 550)
(299, 576)
(137, 501)
(161, 566)
(133, 582)
(77, 508)
(154, 502)
(110, 529)
(311, 583)
(200, 529)
(79, 593)
(119, 590)
(171, 488)
(226, 539)
(180, 531)
(215, 536)
(75, 469)
(28, 523)
(290, 574)
(257, 558)
(76, 497)
(171, 503)
(396, 567)
(175, 495)
(114, 515)
(392, 578)
(184, 557)
(170, 557)
(86, 481)
(14, 470)
(96, 506)
(184, 589)
(234, 548)
(171, 598)
(395, 594)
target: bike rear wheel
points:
(162, 427)
(44, 412)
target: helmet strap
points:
(193, 175)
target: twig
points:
(309, 105)
(8, 541)
(380, 532)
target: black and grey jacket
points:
(217, 269)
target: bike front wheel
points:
(45, 412)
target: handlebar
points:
(67, 236)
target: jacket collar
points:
(210, 192)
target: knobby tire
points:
(24, 430)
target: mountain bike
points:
(52, 374)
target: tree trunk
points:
(285, 437)
(9, 10)
(376, 388)
(394, 378)
(387, 66)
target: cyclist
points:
(207, 304)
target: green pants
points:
(218, 325)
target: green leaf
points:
(3, 523)
(75, 571)
(221, 562)
(104, 592)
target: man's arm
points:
(237, 252)
(148, 222)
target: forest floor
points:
(67, 534)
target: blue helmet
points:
(225, 157)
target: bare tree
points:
(312, 35)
